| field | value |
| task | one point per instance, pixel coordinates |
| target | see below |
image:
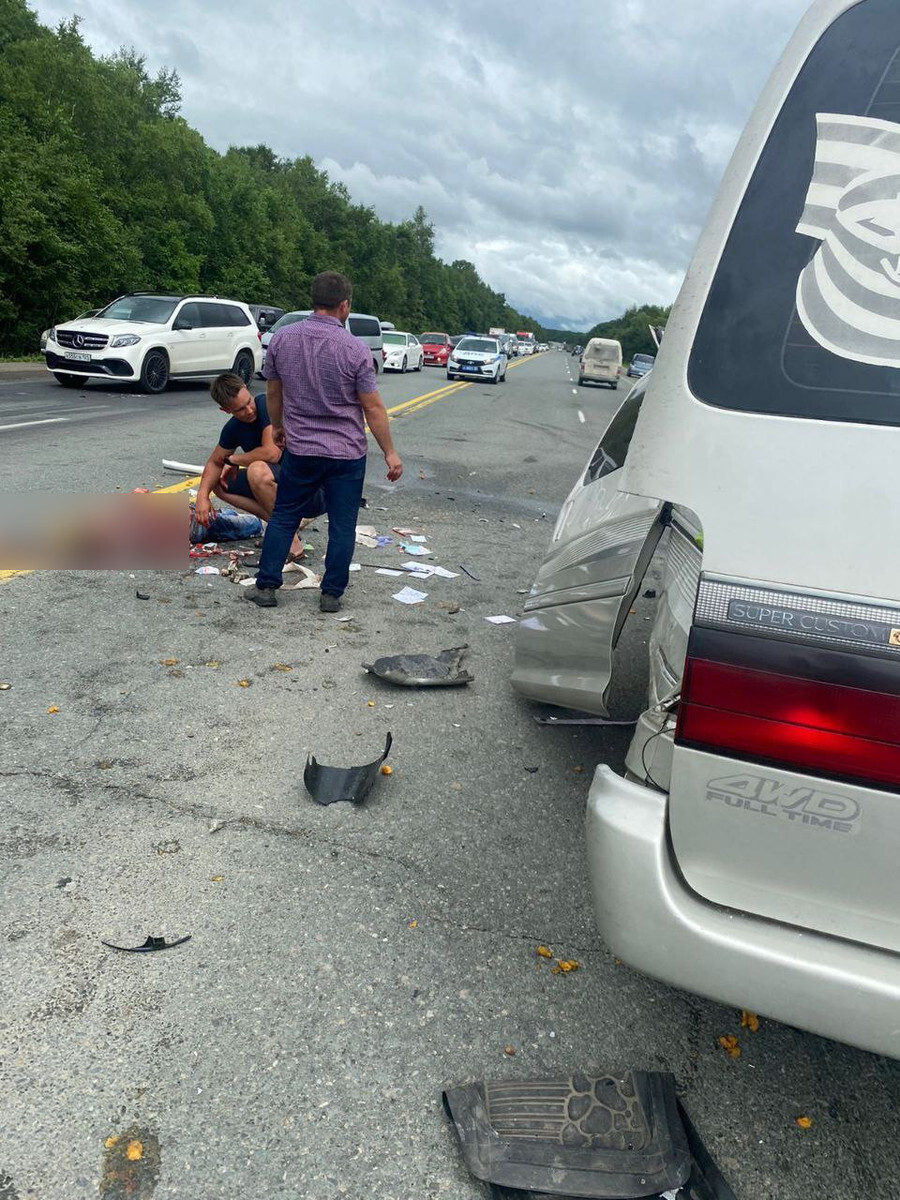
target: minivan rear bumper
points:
(649, 917)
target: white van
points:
(750, 853)
(600, 362)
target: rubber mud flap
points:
(328, 785)
(607, 1137)
(422, 670)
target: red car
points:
(437, 348)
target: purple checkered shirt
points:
(322, 368)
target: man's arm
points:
(275, 405)
(212, 473)
(267, 451)
(377, 420)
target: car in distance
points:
(477, 357)
(640, 365)
(362, 325)
(148, 339)
(436, 347)
(402, 351)
(577, 350)
(265, 315)
(601, 362)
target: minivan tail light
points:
(813, 725)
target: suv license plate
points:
(78, 356)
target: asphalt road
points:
(346, 963)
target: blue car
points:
(641, 364)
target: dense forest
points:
(105, 188)
(632, 329)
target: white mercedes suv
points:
(149, 339)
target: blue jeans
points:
(341, 479)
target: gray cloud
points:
(572, 158)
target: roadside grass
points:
(24, 358)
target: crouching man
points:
(244, 467)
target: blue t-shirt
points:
(246, 434)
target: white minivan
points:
(750, 852)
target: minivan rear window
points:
(803, 316)
(363, 327)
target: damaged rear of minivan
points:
(750, 852)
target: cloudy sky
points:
(570, 151)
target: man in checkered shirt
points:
(321, 392)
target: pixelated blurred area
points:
(43, 531)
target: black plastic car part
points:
(328, 785)
(152, 943)
(423, 670)
(605, 1137)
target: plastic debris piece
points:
(749, 1021)
(141, 595)
(409, 595)
(414, 549)
(328, 785)
(216, 878)
(803, 1122)
(386, 769)
(5, 687)
(244, 683)
(502, 620)
(281, 667)
(564, 966)
(52, 709)
(370, 704)
(544, 952)
(367, 535)
(206, 569)
(418, 537)
(509, 1051)
(532, 770)
(168, 662)
(152, 943)
(650, 593)
(423, 670)
(134, 1150)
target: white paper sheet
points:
(502, 620)
(409, 595)
(387, 571)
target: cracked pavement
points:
(345, 963)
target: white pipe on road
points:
(182, 468)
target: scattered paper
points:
(502, 620)
(207, 570)
(248, 582)
(403, 532)
(418, 537)
(356, 566)
(409, 595)
(444, 573)
(387, 571)
(424, 570)
(413, 548)
(310, 579)
(382, 540)
(367, 530)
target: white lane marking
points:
(64, 414)
(25, 424)
(581, 416)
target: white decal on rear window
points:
(848, 297)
